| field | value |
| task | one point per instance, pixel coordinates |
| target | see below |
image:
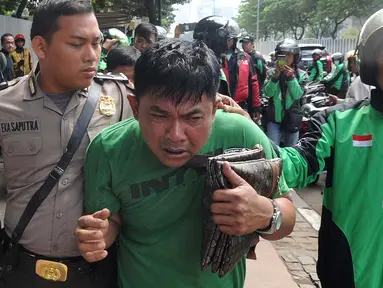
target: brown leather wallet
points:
(222, 252)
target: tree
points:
(351, 33)
(282, 17)
(337, 12)
(137, 8)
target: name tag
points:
(20, 126)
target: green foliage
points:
(139, 8)
(299, 18)
(350, 33)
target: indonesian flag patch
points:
(362, 140)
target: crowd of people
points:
(100, 187)
(19, 58)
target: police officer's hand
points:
(240, 210)
(229, 105)
(109, 43)
(90, 232)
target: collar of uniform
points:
(33, 90)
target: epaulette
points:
(111, 76)
(4, 85)
(119, 77)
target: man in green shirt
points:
(138, 188)
(347, 140)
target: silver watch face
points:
(278, 220)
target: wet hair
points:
(178, 71)
(5, 36)
(46, 17)
(145, 30)
(122, 56)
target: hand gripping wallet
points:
(220, 251)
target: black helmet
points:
(215, 31)
(289, 46)
(337, 57)
(369, 48)
(317, 52)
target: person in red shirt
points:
(221, 35)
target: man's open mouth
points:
(175, 152)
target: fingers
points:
(233, 177)
(236, 110)
(95, 256)
(88, 235)
(90, 222)
(103, 214)
(225, 220)
(222, 208)
(227, 195)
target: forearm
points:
(288, 219)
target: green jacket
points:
(316, 72)
(102, 65)
(347, 139)
(294, 92)
(341, 82)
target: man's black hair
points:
(145, 30)
(177, 70)
(4, 36)
(46, 17)
(122, 56)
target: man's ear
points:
(134, 105)
(39, 45)
(216, 104)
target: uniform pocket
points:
(21, 145)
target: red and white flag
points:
(362, 140)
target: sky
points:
(197, 9)
(192, 11)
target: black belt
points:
(65, 260)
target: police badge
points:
(107, 106)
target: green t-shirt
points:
(161, 208)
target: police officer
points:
(37, 117)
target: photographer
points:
(284, 90)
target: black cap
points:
(247, 39)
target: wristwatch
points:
(276, 221)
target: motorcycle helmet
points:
(337, 58)
(317, 52)
(19, 37)
(161, 33)
(273, 58)
(369, 48)
(289, 46)
(215, 31)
